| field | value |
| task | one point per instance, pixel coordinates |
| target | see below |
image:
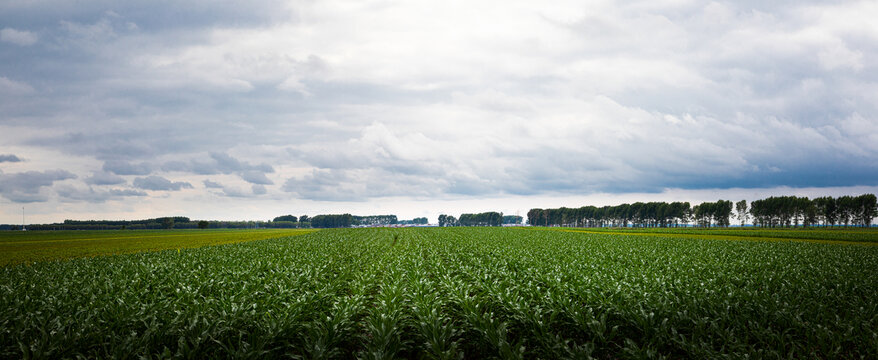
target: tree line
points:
(415, 221)
(490, 218)
(348, 220)
(513, 220)
(774, 211)
(651, 214)
(785, 211)
(175, 222)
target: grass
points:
(28, 246)
(450, 293)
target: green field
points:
(821, 234)
(27, 246)
(450, 293)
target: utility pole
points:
(22, 219)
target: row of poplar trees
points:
(770, 212)
(785, 211)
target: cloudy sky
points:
(249, 110)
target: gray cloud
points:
(235, 192)
(226, 164)
(321, 185)
(126, 168)
(27, 186)
(256, 177)
(91, 195)
(362, 184)
(9, 158)
(577, 99)
(159, 183)
(104, 178)
(221, 163)
(212, 185)
(11, 87)
(18, 37)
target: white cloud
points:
(839, 56)
(18, 37)
(12, 87)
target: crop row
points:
(450, 293)
(813, 233)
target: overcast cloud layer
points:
(148, 108)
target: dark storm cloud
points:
(9, 158)
(159, 183)
(26, 186)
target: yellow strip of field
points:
(150, 236)
(716, 237)
(69, 245)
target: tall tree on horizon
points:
(741, 208)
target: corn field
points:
(450, 293)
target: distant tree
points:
(332, 221)
(304, 218)
(810, 214)
(534, 216)
(167, 223)
(203, 224)
(847, 209)
(375, 220)
(741, 208)
(512, 219)
(866, 209)
(490, 218)
(286, 218)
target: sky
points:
(249, 110)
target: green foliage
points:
(448, 220)
(786, 211)
(375, 220)
(491, 218)
(415, 221)
(332, 221)
(651, 214)
(290, 218)
(513, 220)
(450, 293)
(775, 211)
